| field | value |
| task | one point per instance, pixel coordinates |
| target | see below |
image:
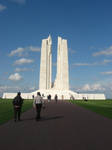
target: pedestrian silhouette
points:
(38, 101)
(17, 104)
(56, 98)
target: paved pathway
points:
(63, 126)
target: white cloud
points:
(93, 87)
(15, 89)
(15, 77)
(23, 61)
(17, 51)
(107, 51)
(23, 69)
(2, 7)
(34, 49)
(85, 64)
(105, 61)
(86, 87)
(5, 88)
(107, 73)
(19, 1)
(105, 88)
(24, 51)
(98, 87)
(82, 64)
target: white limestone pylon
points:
(46, 64)
(62, 76)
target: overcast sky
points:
(87, 26)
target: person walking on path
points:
(38, 101)
(56, 98)
(49, 98)
(17, 104)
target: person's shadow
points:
(51, 118)
(44, 118)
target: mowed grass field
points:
(102, 107)
(6, 109)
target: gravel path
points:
(63, 126)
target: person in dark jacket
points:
(17, 104)
(49, 98)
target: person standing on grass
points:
(17, 104)
(38, 101)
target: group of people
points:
(55, 98)
(38, 103)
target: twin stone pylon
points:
(62, 75)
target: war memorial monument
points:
(61, 83)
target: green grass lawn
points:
(102, 107)
(6, 109)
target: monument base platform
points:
(62, 95)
